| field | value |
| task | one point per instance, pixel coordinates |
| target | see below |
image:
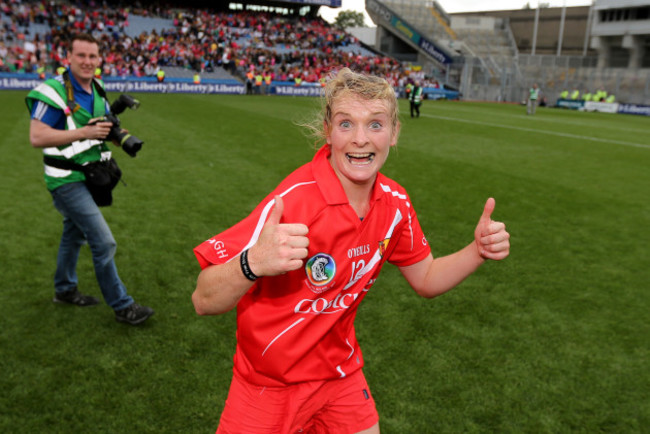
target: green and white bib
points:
(53, 93)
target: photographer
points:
(64, 124)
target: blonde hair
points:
(344, 83)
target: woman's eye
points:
(375, 125)
(345, 124)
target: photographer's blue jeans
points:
(83, 221)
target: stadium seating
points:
(140, 24)
(182, 42)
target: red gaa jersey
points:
(299, 326)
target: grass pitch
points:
(553, 339)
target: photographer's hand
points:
(97, 129)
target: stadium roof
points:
(212, 4)
(330, 3)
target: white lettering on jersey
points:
(357, 270)
(220, 248)
(377, 256)
(358, 251)
(323, 306)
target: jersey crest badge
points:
(320, 270)
(383, 245)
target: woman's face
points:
(360, 138)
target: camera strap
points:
(62, 164)
(72, 104)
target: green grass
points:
(554, 339)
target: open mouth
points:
(360, 158)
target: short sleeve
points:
(49, 115)
(412, 246)
(227, 245)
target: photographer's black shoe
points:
(75, 297)
(134, 314)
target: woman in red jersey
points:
(299, 265)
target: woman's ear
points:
(393, 141)
(326, 129)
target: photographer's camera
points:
(130, 143)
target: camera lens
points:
(131, 144)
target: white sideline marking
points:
(531, 130)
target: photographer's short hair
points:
(83, 37)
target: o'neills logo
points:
(320, 269)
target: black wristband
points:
(245, 267)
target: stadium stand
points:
(425, 17)
(139, 24)
(490, 40)
(484, 60)
(218, 45)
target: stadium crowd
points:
(285, 48)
